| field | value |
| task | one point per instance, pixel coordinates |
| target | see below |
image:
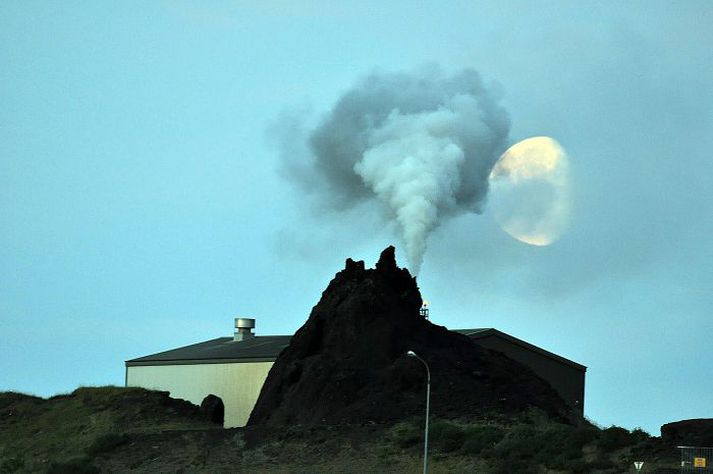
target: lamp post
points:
(428, 405)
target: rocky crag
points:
(348, 362)
(696, 432)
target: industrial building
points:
(564, 375)
(235, 368)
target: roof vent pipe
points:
(243, 329)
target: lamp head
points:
(411, 353)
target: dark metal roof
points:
(267, 348)
(220, 350)
(485, 332)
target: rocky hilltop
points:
(696, 432)
(348, 362)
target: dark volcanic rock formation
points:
(348, 363)
(213, 409)
(696, 432)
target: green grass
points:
(121, 429)
(73, 466)
(105, 444)
(68, 431)
(12, 464)
(529, 444)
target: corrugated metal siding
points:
(238, 385)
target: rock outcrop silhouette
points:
(696, 432)
(348, 362)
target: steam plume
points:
(422, 144)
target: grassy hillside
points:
(37, 433)
(111, 429)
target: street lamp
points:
(428, 404)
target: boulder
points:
(213, 410)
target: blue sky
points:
(142, 203)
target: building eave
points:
(485, 332)
(245, 360)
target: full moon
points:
(530, 191)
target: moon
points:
(530, 191)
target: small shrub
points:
(602, 463)
(536, 416)
(12, 465)
(406, 435)
(73, 466)
(446, 436)
(576, 466)
(555, 446)
(522, 442)
(584, 435)
(638, 435)
(383, 452)
(509, 466)
(562, 445)
(613, 438)
(105, 444)
(479, 438)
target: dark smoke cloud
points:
(422, 144)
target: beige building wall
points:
(237, 384)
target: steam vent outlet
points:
(243, 329)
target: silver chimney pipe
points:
(243, 329)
